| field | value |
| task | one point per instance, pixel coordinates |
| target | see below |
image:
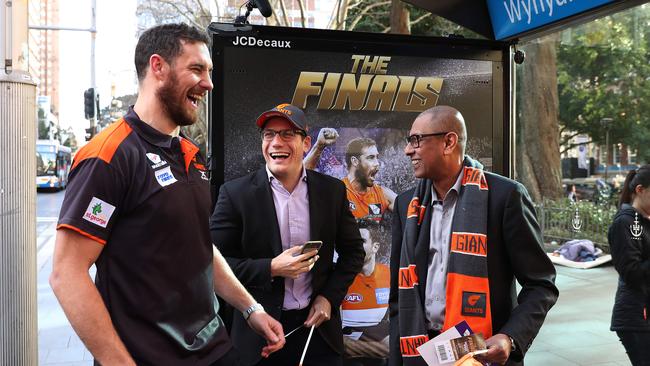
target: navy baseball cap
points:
(291, 113)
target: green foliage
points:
(374, 16)
(603, 72)
(555, 217)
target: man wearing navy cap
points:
(260, 224)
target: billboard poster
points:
(360, 93)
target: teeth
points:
(279, 155)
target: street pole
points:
(606, 152)
(93, 36)
(18, 290)
(606, 123)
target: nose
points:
(206, 82)
(408, 149)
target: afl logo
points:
(353, 298)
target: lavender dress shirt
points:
(292, 211)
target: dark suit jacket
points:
(244, 227)
(514, 251)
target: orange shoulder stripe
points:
(70, 227)
(104, 145)
(189, 151)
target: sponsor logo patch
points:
(165, 177)
(381, 295)
(474, 304)
(354, 298)
(374, 208)
(352, 206)
(156, 160)
(99, 212)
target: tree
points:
(385, 16)
(603, 73)
(538, 152)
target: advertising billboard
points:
(360, 93)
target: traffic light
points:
(89, 103)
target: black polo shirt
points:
(145, 196)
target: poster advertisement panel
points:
(360, 93)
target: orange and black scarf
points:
(468, 290)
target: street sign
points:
(511, 17)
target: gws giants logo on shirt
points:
(99, 212)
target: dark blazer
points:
(514, 251)
(245, 229)
(631, 257)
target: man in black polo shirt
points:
(137, 207)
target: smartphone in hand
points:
(311, 245)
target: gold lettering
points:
(329, 90)
(355, 65)
(369, 64)
(305, 87)
(382, 93)
(352, 93)
(427, 89)
(382, 65)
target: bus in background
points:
(53, 162)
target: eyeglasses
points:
(414, 140)
(287, 135)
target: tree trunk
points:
(538, 148)
(399, 18)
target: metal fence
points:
(585, 220)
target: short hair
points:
(355, 148)
(165, 40)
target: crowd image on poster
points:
(360, 99)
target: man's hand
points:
(291, 264)
(269, 328)
(499, 348)
(326, 137)
(320, 312)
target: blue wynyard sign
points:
(511, 17)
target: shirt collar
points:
(303, 176)
(147, 132)
(455, 188)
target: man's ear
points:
(157, 66)
(451, 141)
(354, 160)
(306, 144)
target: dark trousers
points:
(231, 358)
(319, 353)
(637, 346)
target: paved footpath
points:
(576, 331)
(57, 342)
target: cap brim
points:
(264, 117)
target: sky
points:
(114, 48)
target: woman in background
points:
(629, 242)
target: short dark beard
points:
(362, 177)
(172, 104)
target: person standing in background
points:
(629, 242)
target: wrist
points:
(251, 309)
(513, 345)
